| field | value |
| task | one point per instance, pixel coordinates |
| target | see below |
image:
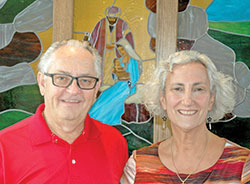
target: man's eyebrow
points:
(63, 72)
(67, 73)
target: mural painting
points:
(124, 34)
(113, 38)
(194, 33)
(20, 46)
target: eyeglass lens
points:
(65, 80)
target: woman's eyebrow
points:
(199, 83)
(177, 83)
(182, 84)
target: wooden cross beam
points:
(62, 19)
(166, 43)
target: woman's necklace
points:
(198, 164)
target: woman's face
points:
(122, 50)
(187, 98)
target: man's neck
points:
(66, 130)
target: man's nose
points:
(73, 87)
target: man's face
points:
(71, 103)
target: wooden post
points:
(62, 19)
(166, 40)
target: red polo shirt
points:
(30, 153)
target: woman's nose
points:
(187, 98)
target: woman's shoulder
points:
(152, 149)
(235, 153)
(233, 146)
(241, 154)
(246, 171)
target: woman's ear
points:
(163, 102)
(41, 82)
(212, 100)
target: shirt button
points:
(56, 140)
(73, 161)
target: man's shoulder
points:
(16, 129)
(21, 128)
(106, 129)
(112, 138)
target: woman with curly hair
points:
(189, 91)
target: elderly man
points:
(61, 143)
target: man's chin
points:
(68, 114)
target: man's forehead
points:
(72, 50)
(71, 57)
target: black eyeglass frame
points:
(72, 78)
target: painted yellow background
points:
(134, 12)
(201, 3)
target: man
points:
(61, 143)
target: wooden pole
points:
(62, 19)
(166, 40)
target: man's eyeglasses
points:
(65, 80)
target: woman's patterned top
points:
(232, 167)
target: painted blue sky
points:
(229, 10)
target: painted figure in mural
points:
(119, 71)
(188, 89)
(61, 143)
(107, 32)
(126, 73)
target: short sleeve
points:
(129, 171)
(246, 171)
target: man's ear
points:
(41, 82)
(98, 85)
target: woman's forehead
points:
(190, 72)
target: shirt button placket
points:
(54, 139)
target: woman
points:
(188, 89)
(124, 86)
